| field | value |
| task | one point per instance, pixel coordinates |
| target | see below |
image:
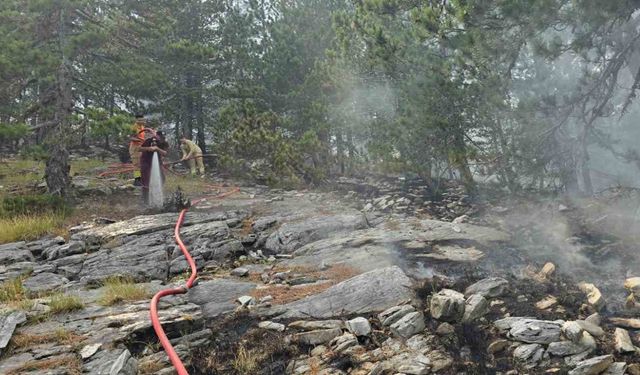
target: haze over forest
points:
(536, 95)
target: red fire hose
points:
(168, 348)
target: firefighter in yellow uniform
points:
(193, 155)
(137, 137)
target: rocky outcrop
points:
(370, 292)
(8, 324)
(291, 236)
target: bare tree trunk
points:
(460, 162)
(57, 168)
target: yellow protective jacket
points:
(190, 149)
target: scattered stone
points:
(411, 364)
(8, 324)
(271, 326)
(445, 329)
(490, 287)
(246, 301)
(440, 361)
(359, 326)
(634, 369)
(622, 341)
(594, 297)
(632, 284)
(546, 303)
(626, 323)
(547, 270)
(476, 307)
(566, 348)
(593, 366)
(317, 337)
(409, 325)
(573, 331)
(530, 355)
(447, 305)
(418, 343)
(344, 342)
(497, 346)
(593, 329)
(89, 350)
(594, 319)
(392, 315)
(617, 368)
(240, 272)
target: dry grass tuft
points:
(149, 367)
(117, 289)
(63, 303)
(246, 361)
(59, 337)
(29, 227)
(13, 293)
(70, 363)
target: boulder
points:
(291, 236)
(411, 364)
(447, 305)
(490, 287)
(409, 325)
(64, 250)
(367, 293)
(593, 366)
(359, 326)
(622, 341)
(8, 324)
(44, 282)
(476, 307)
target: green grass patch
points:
(29, 227)
(118, 289)
(12, 292)
(64, 303)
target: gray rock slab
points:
(310, 325)
(44, 282)
(142, 259)
(150, 223)
(593, 366)
(317, 337)
(392, 315)
(617, 368)
(369, 292)
(15, 252)
(8, 324)
(293, 235)
(216, 297)
(409, 325)
(536, 331)
(476, 307)
(490, 287)
(112, 362)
